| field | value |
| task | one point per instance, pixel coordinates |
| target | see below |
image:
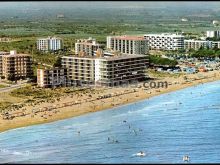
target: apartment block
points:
(1, 55)
(87, 46)
(197, 44)
(49, 44)
(132, 45)
(213, 33)
(80, 69)
(165, 41)
(16, 66)
(106, 70)
(52, 77)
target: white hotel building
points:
(213, 33)
(128, 44)
(49, 44)
(197, 44)
(216, 44)
(165, 41)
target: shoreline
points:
(108, 103)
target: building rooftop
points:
(49, 37)
(113, 57)
(12, 53)
(165, 34)
(4, 53)
(89, 43)
(129, 37)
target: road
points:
(12, 87)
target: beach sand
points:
(87, 103)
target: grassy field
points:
(157, 74)
(6, 100)
(2, 86)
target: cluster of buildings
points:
(166, 41)
(194, 66)
(133, 44)
(125, 60)
(197, 44)
(122, 60)
(15, 66)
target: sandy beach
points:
(104, 98)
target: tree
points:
(162, 61)
(11, 77)
(58, 62)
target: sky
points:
(106, 4)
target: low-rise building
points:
(110, 70)
(87, 46)
(197, 44)
(132, 45)
(1, 55)
(216, 44)
(54, 77)
(165, 41)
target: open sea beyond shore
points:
(165, 127)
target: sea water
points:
(165, 127)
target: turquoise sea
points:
(165, 127)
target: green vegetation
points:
(46, 58)
(4, 105)
(30, 91)
(157, 60)
(212, 39)
(21, 45)
(157, 74)
(2, 86)
(202, 52)
(58, 62)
